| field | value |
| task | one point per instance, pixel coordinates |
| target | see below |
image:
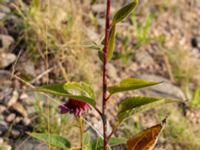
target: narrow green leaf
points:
(52, 139)
(147, 26)
(55, 89)
(132, 105)
(196, 98)
(116, 141)
(87, 141)
(124, 12)
(111, 42)
(130, 84)
(98, 143)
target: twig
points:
(13, 67)
(107, 28)
(41, 75)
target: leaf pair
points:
(132, 105)
(145, 140)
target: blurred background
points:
(48, 41)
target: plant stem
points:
(107, 28)
(81, 132)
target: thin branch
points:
(113, 130)
(107, 28)
(41, 75)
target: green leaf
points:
(124, 12)
(130, 84)
(79, 91)
(196, 98)
(132, 105)
(114, 141)
(55, 89)
(111, 42)
(98, 143)
(52, 139)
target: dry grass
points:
(54, 32)
(54, 37)
(184, 66)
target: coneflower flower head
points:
(74, 106)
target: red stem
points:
(107, 28)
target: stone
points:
(13, 99)
(23, 96)
(144, 58)
(6, 93)
(2, 108)
(4, 74)
(6, 41)
(26, 121)
(2, 15)
(10, 117)
(15, 133)
(1, 140)
(5, 147)
(3, 125)
(18, 119)
(29, 68)
(165, 89)
(18, 107)
(6, 59)
(4, 9)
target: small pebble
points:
(26, 121)
(11, 117)
(2, 108)
(18, 119)
(1, 140)
(15, 133)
